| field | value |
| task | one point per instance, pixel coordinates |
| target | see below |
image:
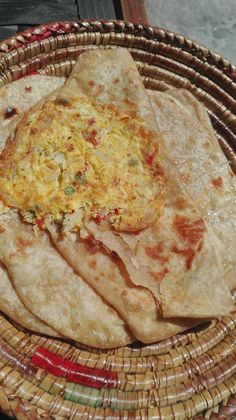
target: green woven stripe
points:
(83, 395)
(117, 400)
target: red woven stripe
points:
(33, 73)
(74, 372)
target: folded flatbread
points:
(12, 306)
(201, 167)
(53, 292)
(176, 259)
(107, 275)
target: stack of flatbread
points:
(170, 274)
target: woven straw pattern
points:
(190, 375)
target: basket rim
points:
(148, 380)
(156, 33)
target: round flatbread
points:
(13, 307)
(53, 292)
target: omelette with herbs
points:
(77, 159)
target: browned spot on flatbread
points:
(33, 131)
(124, 294)
(159, 275)
(128, 102)
(206, 144)
(186, 177)
(2, 229)
(93, 264)
(217, 182)
(28, 89)
(23, 243)
(100, 88)
(192, 232)
(181, 203)
(156, 252)
(187, 253)
(92, 245)
(9, 112)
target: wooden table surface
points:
(18, 15)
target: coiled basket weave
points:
(192, 375)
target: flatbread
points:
(12, 306)
(202, 167)
(113, 80)
(107, 275)
(50, 289)
(187, 270)
(18, 96)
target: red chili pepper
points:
(71, 147)
(91, 137)
(150, 159)
(99, 218)
(91, 121)
(116, 210)
(40, 223)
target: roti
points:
(13, 307)
(166, 265)
(50, 289)
(187, 268)
(202, 168)
(106, 273)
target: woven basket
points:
(192, 375)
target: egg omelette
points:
(76, 159)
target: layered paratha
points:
(106, 273)
(13, 307)
(50, 289)
(203, 170)
(187, 249)
(93, 160)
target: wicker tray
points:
(190, 375)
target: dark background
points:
(18, 15)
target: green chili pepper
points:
(133, 162)
(69, 190)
